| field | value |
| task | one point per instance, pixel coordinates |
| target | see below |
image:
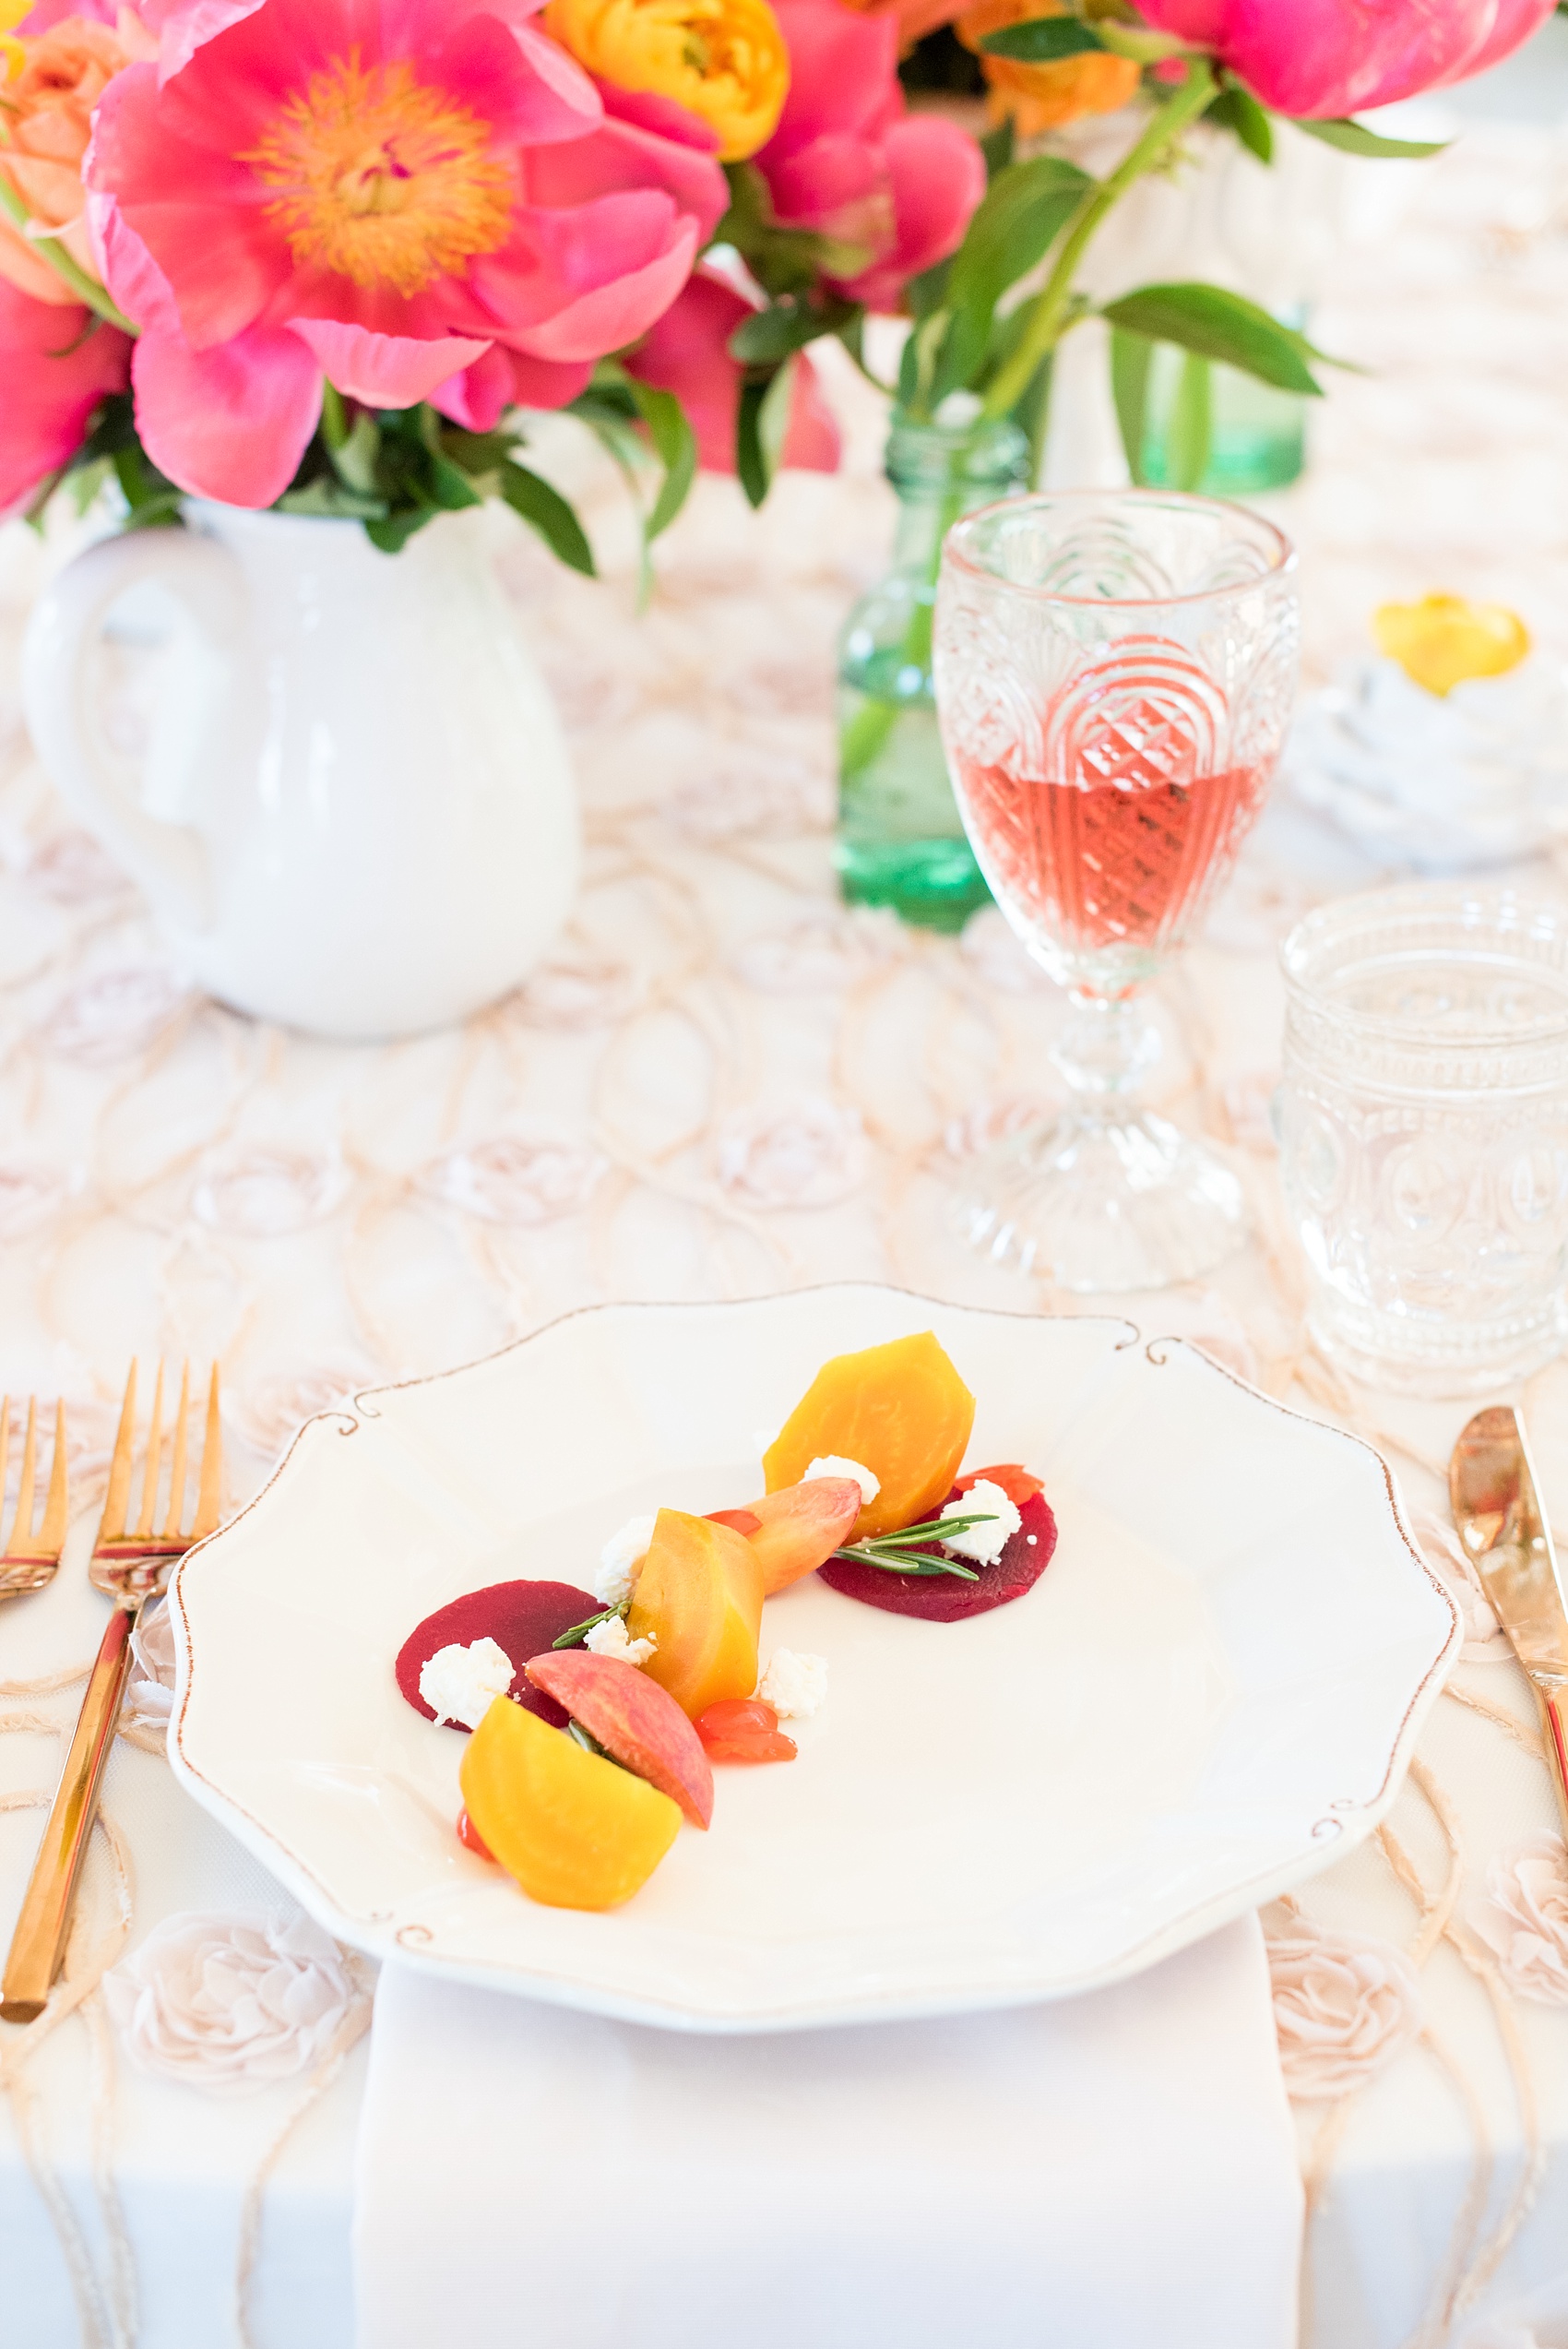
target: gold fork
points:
(130, 1568)
(30, 1560)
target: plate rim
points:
(1347, 1823)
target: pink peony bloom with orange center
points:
(55, 365)
(414, 199)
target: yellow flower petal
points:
(1443, 640)
(725, 61)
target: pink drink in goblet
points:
(1114, 673)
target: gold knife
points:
(1496, 1504)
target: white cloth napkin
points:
(1115, 2173)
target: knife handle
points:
(1554, 1721)
(38, 1943)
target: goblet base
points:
(1099, 1202)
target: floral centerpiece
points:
(323, 260)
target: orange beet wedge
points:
(699, 1596)
(575, 1831)
(797, 1529)
(900, 1410)
(634, 1720)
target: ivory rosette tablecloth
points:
(719, 1082)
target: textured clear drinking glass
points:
(1424, 1132)
(1114, 673)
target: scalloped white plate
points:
(1211, 1693)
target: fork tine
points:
(21, 1531)
(56, 1508)
(154, 1458)
(112, 1525)
(177, 1466)
(209, 1496)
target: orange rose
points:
(1045, 97)
(45, 123)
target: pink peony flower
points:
(1333, 57)
(416, 198)
(55, 373)
(687, 353)
(848, 162)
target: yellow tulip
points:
(1042, 97)
(1441, 640)
(725, 61)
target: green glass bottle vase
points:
(899, 840)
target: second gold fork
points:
(130, 1567)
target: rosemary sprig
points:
(903, 1551)
(579, 1631)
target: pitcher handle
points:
(169, 860)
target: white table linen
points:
(1119, 2169)
(723, 1082)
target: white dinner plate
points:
(1210, 1694)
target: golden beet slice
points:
(900, 1410)
(575, 1831)
(699, 1597)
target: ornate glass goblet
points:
(1114, 673)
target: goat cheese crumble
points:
(620, 1559)
(794, 1685)
(609, 1639)
(831, 1465)
(982, 1544)
(461, 1684)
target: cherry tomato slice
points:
(732, 1715)
(469, 1836)
(751, 1745)
(739, 1520)
(1020, 1485)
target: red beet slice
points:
(636, 1721)
(522, 1617)
(942, 1598)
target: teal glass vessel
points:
(1211, 428)
(899, 840)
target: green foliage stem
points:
(1048, 314)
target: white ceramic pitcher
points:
(356, 815)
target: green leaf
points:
(1041, 41)
(1188, 434)
(997, 144)
(354, 460)
(1354, 139)
(768, 336)
(1014, 223)
(751, 464)
(1219, 324)
(675, 445)
(547, 512)
(773, 417)
(393, 534)
(928, 291)
(330, 499)
(1132, 356)
(450, 487)
(1237, 109)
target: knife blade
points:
(1496, 1504)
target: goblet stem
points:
(1106, 1047)
(1106, 1198)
